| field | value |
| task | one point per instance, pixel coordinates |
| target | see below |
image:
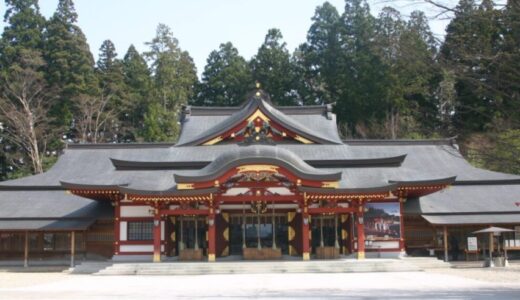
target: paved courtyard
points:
(441, 284)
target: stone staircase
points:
(246, 267)
(426, 262)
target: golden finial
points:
(257, 84)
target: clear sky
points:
(202, 25)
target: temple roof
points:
(375, 167)
(49, 210)
(259, 154)
(315, 124)
(92, 164)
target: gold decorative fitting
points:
(213, 141)
(257, 129)
(233, 135)
(306, 256)
(257, 85)
(258, 94)
(298, 182)
(225, 234)
(258, 114)
(291, 233)
(330, 184)
(257, 168)
(284, 134)
(185, 186)
(217, 183)
(302, 140)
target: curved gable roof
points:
(254, 103)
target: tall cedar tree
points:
(138, 83)
(469, 48)
(363, 79)
(226, 78)
(174, 77)
(24, 30)
(318, 60)
(111, 83)
(22, 35)
(70, 64)
(272, 67)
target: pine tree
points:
(226, 78)
(272, 67)
(70, 65)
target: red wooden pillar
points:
(212, 243)
(156, 236)
(401, 232)
(117, 221)
(306, 253)
(361, 231)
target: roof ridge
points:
(120, 145)
(451, 141)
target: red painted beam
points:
(328, 210)
(259, 184)
(271, 198)
(178, 212)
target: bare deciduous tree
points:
(93, 116)
(23, 107)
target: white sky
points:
(201, 25)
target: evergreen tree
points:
(138, 83)
(272, 67)
(364, 79)
(470, 47)
(24, 30)
(174, 77)
(319, 60)
(226, 78)
(70, 65)
(20, 54)
(407, 51)
(112, 87)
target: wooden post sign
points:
(472, 243)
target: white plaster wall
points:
(138, 248)
(123, 231)
(136, 211)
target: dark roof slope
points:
(202, 127)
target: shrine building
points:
(254, 182)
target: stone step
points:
(251, 267)
(427, 262)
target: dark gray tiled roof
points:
(473, 219)
(49, 204)
(468, 199)
(260, 154)
(49, 210)
(45, 225)
(92, 165)
(320, 128)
